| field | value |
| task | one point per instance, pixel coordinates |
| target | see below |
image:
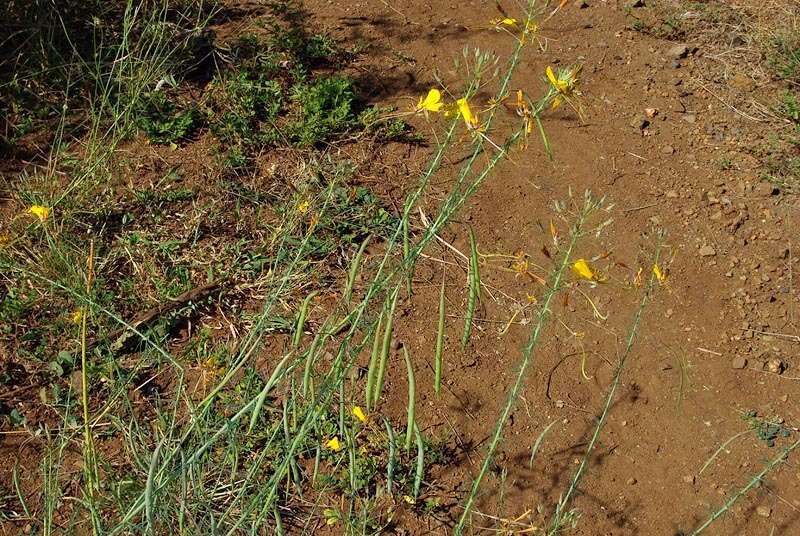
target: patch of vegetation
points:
(768, 431)
(783, 55)
(164, 123)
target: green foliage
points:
(767, 431)
(326, 107)
(245, 108)
(784, 56)
(790, 107)
(164, 122)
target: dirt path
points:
(729, 287)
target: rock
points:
(739, 362)
(689, 479)
(636, 3)
(775, 366)
(641, 122)
(631, 481)
(765, 189)
(668, 149)
(689, 118)
(671, 194)
(675, 64)
(678, 52)
(764, 511)
(707, 251)
(581, 4)
(650, 112)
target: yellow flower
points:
(302, 208)
(432, 102)
(333, 444)
(470, 119)
(583, 270)
(359, 413)
(660, 275)
(566, 86)
(507, 21)
(76, 316)
(39, 211)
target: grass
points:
(183, 427)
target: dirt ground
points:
(668, 139)
(729, 295)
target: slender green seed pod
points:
(412, 392)
(372, 371)
(387, 345)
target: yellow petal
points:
(39, 211)
(359, 413)
(556, 102)
(583, 270)
(333, 444)
(432, 102)
(464, 110)
(551, 76)
(509, 21)
(660, 275)
(76, 316)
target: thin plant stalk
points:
(545, 312)
(755, 481)
(566, 498)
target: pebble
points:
(775, 366)
(689, 479)
(678, 51)
(739, 362)
(668, 149)
(631, 481)
(581, 4)
(764, 511)
(707, 251)
(650, 112)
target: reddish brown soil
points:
(643, 477)
(664, 424)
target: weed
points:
(783, 55)
(164, 123)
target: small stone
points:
(678, 52)
(775, 366)
(581, 4)
(764, 511)
(689, 118)
(689, 479)
(707, 251)
(636, 3)
(765, 189)
(668, 149)
(641, 122)
(675, 64)
(671, 194)
(739, 362)
(650, 112)
(631, 481)
(559, 404)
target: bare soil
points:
(657, 129)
